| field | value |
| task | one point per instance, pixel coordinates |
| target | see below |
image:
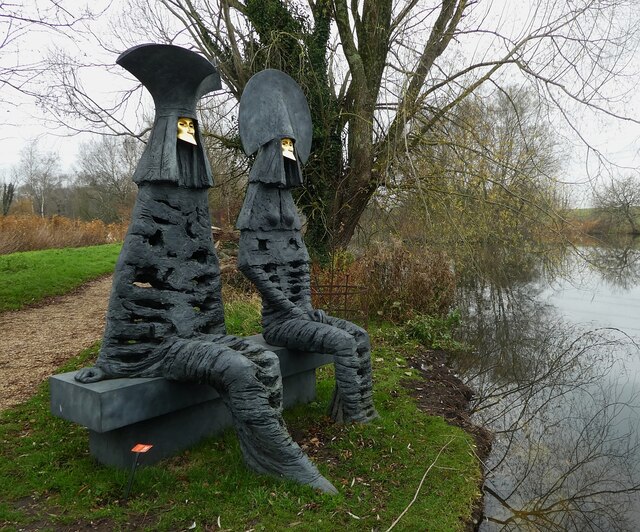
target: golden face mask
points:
(186, 130)
(287, 149)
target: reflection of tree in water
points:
(499, 294)
(617, 262)
(565, 453)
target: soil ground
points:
(36, 341)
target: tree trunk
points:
(347, 214)
(8, 191)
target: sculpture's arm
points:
(274, 296)
(268, 290)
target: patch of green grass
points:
(242, 317)
(30, 276)
(48, 479)
(435, 332)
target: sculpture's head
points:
(176, 78)
(287, 149)
(275, 121)
(187, 130)
(290, 173)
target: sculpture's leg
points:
(364, 371)
(267, 362)
(354, 386)
(247, 389)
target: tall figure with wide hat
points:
(275, 124)
(165, 315)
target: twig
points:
(415, 497)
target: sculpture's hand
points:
(92, 374)
(317, 315)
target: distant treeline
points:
(606, 221)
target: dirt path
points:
(34, 342)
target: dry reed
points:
(27, 233)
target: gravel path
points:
(34, 342)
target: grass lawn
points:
(48, 481)
(30, 276)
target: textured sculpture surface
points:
(165, 315)
(272, 252)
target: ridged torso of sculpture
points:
(288, 271)
(274, 245)
(166, 282)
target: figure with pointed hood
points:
(165, 315)
(275, 123)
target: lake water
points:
(557, 372)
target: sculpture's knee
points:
(238, 371)
(267, 360)
(342, 343)
(345, 350)
(362, 338)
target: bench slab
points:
(170, 415)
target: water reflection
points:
(561, 398)
(618, 262)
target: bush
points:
(28, 233)
(402, 282)
(435, 332)
(397, 282)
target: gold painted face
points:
(287, 149)
(186, 130)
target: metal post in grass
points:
(138, 449)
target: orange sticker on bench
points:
(141, 448)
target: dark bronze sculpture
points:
(165, 316)
(275, 122)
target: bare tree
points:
(617, 262)
(380, 75)
(488, 176)
(39, 172)
(106, 168)
(20, 72)
(620, 201)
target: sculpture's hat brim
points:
(273, 106)
(176, 77)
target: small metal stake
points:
(137, 449)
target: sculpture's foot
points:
(305, 473)
(282, 460)
(323, 485)
(363, 414)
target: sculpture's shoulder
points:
(268, 208)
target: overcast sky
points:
(23, 121)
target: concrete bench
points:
(172, 416)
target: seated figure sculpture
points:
(275, 122)
(165, 316)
